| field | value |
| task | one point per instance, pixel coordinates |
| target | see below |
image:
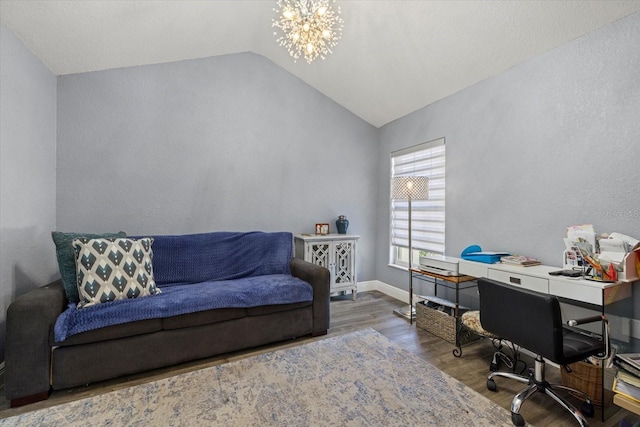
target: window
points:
(428, 216)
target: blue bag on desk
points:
(475, 253)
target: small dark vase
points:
(342, 223)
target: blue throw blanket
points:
(196, 258)
(175, 300)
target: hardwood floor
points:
(375, 310)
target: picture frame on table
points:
(322, 229)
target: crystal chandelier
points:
(310, 28)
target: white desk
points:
(612, 299)
(537, 278)
(578, 297)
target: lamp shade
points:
(410, 188)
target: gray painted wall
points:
(27, 173)
(224, 143)
(548, 144)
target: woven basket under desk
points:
(587, 378)
(437, 322)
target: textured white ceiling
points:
(394, 57)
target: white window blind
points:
(428, 216)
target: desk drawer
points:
(575, 291)
(474, 269)
(527, 282)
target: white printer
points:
(440, 264)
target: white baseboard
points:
(392, 291)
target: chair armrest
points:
(605, 328)
(318, 277)
(581, 321)
(30, 319)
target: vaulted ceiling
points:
(394, 56)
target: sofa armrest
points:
(30, 319)
(318, 277)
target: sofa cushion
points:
(182, 299)
(197, 258)
(203, 318)
(114, 332)
(111, 269)
(277, 308)
(224, 314)
(67, 259)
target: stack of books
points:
(627, 380)
(521, 260)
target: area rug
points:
(356, 379)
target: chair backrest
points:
(529, 319)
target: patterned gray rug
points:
(356, 379)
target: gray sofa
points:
(38, 360)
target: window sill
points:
(398, 267)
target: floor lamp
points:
(409, 188)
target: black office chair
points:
(533, 321)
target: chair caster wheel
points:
(517, 419)
(491, 385)
(587, 409)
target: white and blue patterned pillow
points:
(111, 269)
(67, 259)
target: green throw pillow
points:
(67, 259)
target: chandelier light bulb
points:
(309, 28)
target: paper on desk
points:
(633, 243)
(579, 246)
(575, 236)
(568, 243)
(585, 227)
(613, 245)
(611, 257)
